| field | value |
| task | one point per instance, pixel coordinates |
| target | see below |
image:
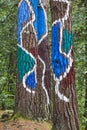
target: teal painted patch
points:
(67, 41)
(25, 63)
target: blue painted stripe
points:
(23, 15)
(59, 61)
(31, 81)
(40, 23)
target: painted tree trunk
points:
(33, 64)
(65, 111)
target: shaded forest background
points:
(8, 42)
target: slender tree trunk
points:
(86, 88)
(65, 110)
(11, 71)
(33, 80)
(85, 3)
(86, 96)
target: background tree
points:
(65, 104)
(85, 5)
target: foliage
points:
(8, 27)
(79, 29)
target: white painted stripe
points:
(61, 96)
(45, 35)
(20, 3)
(44, 69)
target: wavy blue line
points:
(59, 61)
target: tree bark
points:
(86, 89)
(30, 101)
(85, 3)
(65, 110)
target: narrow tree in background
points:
(85, 3)
(65, 111)
(86, 87)
(33, 64)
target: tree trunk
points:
(85, 4)
(86, 88)
(65, 110)
(11, 71)
(33, 65)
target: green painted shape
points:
(25, 63)
(67, 41)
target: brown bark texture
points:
(85, 113)
(29, 104)
(65, 113)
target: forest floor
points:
(22, 124)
